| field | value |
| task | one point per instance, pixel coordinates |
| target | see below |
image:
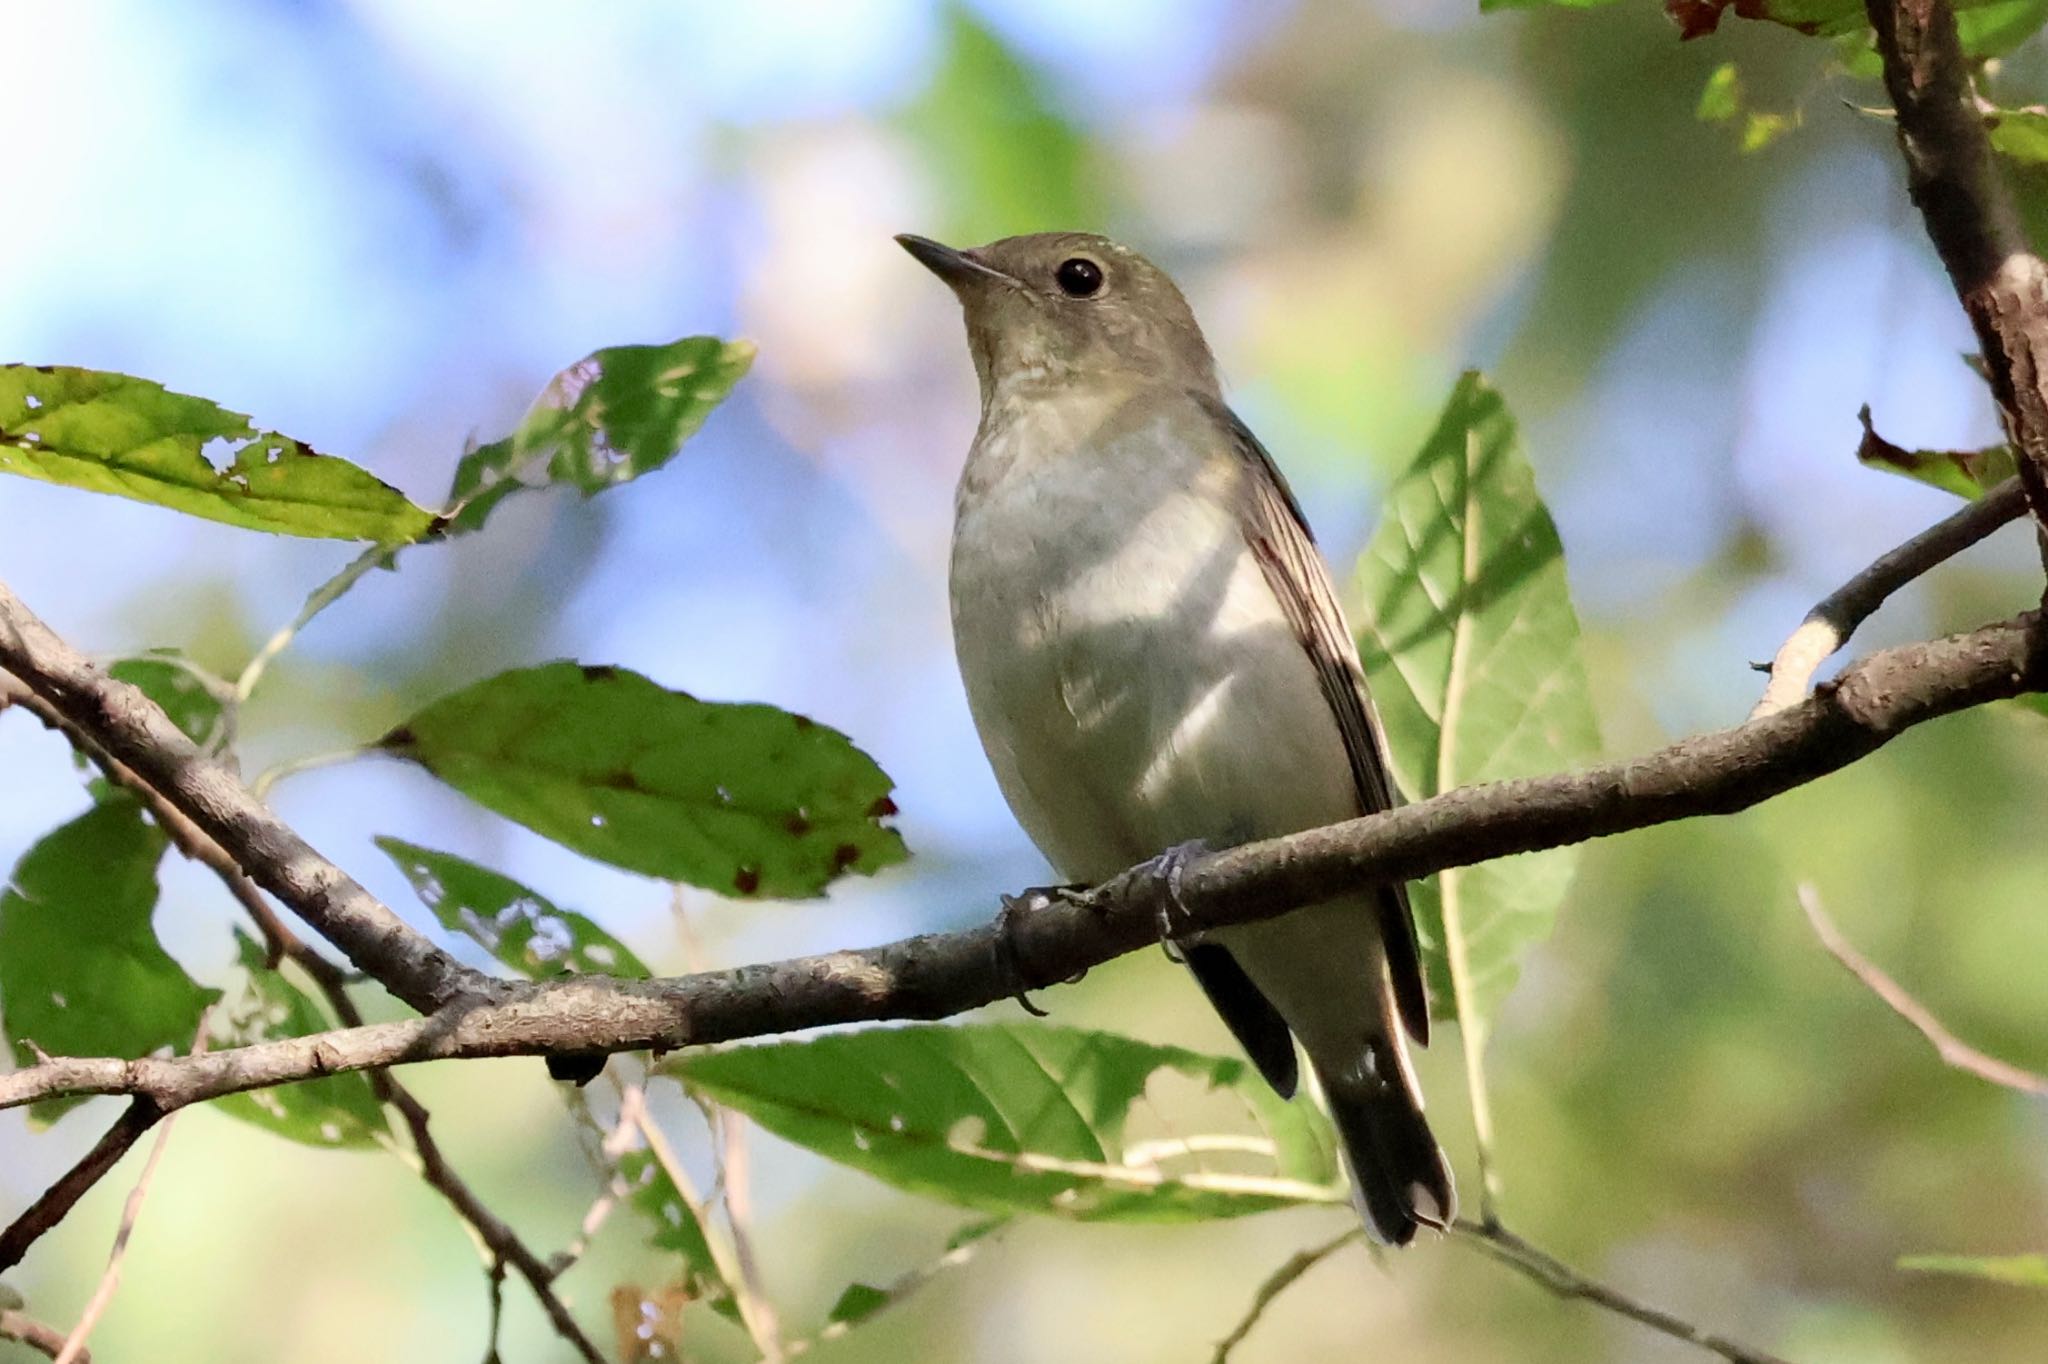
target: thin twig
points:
(897, 1289)
(1953, 1050)
(131, 1211)
(759, 1328)
(1834, 618)
(37, 1335)
(1276, 1283)
(58, 1200)
(321, 598)
(1566, 1282)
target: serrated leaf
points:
(740, 799)
(2026, 1271)
(612, 416)
(517, 926)
(334, 1111)
(81, 971)
(1471, 645)
(1012, 1118)
(1966, 473)
(112, 433)
(1007, 158)
(653, 1195)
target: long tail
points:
(1399, 1177)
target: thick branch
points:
(936, 975)
(1971, 218)
(60, 1198)
(121, 722)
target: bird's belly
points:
(1136, 685)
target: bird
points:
(1157, 664)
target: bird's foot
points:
(1008, 969)
(1170, 867)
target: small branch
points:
(1953, 1050)
(123, 723)
(900, 1288)
(322, 597)
(1834, 618)
(753, 1311)
(37, 1335)
(131, 1211)
(59, 1199)
(1276, 1283)
(1566, 1282)
(1971, 218)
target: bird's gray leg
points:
(1170, 866)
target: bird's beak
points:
(956, 267)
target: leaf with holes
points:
(1014, 1118)
(110, 433)
(515, 925)
(612, 416)
(740, 799)
(2023, 1271)
(81, 971)
(1472, 647)
(335, 1111)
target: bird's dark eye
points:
(1079, 277)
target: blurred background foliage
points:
(381, 225)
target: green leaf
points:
(993, 139)
(1721, 97)
(1472, 648)
(109, 433)
(1014, 1118)
(81, 971)
(332, 1111)
(182, 694)
(2027, 1271)
(2021, 134)
(676, 1228)
(515, 925)
(1966, 473)
(859, 1302)
(612, 416)
(740, 799)
(1995, 28)
(1818, 18)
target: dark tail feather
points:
(1399, 1177)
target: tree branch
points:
(124, 724)
(1971, 218)
(60, 1198)
(1834, 618)
(37, 1335)
(1952, 1049)
(936, 975)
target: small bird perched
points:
(1155, 659)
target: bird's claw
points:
(1008, 968)
(1171, 867)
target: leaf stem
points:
(322, 597)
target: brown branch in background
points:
(1279, 1281)
(1952, 1049)
(58, 1200)
(1566, 1282)
(1834, 618)
(1971, 219)
(938, 975)
(37, 1335)
(131, 1212)
(124, 724)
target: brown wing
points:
(1286, 550)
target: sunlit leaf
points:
(515, 925)
(81, 971)
(2026, 1271)
(740, 799)
(607, 419)
(1721, 97)
(1966, 473)
(1472, 648)
(1007, 160)
(332, 1111)
(110, 433)
(1024, 1118)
